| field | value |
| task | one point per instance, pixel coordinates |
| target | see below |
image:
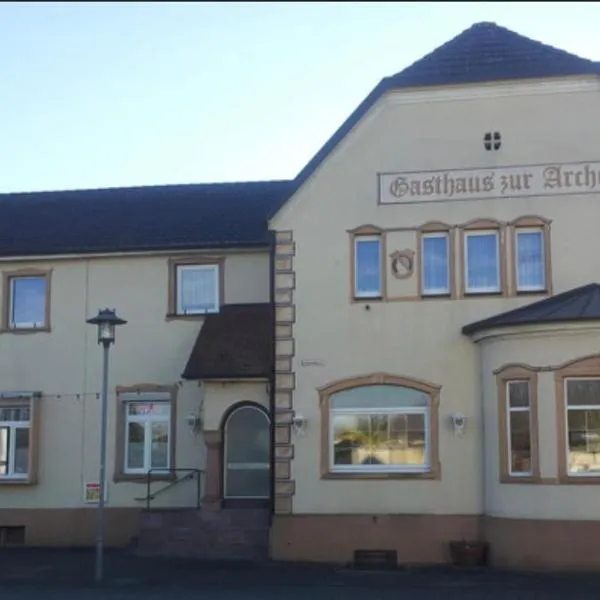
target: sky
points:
(152, 93)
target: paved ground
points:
(65, 575)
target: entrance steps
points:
(205, 533)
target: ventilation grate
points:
(375, 559)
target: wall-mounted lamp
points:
(299, 424)
(458, 422)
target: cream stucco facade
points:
(449, 358)
(64, 366)
(402, 334)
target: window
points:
(435, 264)
(15, 425)
(530, 260)
(482, 262)
(197, 289)
(518, 424)
(195, 286)
(367, 266)
(583, 426)
(383, 427)
(27, 300)
(145, 431)
(518, 413)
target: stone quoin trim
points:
(285, 381)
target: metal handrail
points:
(190, 474)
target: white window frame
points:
(11, 303)
(524, 288)
(478, 290)
(570, 473)
(435, 291)
(178, 288)
(12, 426)
(514, 409)
(412, 410)
(147, 421)
(369, 294)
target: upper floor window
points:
(196, 286)
(435, 253)
(27, 300)
(197, 289)
(367, 267)
(482, 262)
(530, 260)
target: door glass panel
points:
(247, 444)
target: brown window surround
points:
(482, 225)
(325, 393)
(7, 278)
(504, 377)
(587, 367)
(31, 401)
(203, 260)
(121, 433)
(531, 222)
(367, 231)
(437, 227)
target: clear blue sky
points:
(116, 94)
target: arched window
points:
(380, 424)
(247, 447)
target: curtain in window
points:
(198, 290)
(435, 264)
(368, 267)
(530, 260)
(28, 302)
(483, 272)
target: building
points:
(416, 315)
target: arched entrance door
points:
(246, 465)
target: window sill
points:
(196, 317)
(17, 481)
(141, 478)
(25, 330)
(531, 292)
(444, 296)
(365, 299)
(579, 480)
(526, 479)
(497, 294)
(356, 476)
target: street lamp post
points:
(107, 321)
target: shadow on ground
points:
(75, 568)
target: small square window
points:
(197, 289)
(27, 302)
(367, 267)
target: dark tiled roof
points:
(579, 304)
(235, 343)
(488, 52)
(139, 218)
(484, 52)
